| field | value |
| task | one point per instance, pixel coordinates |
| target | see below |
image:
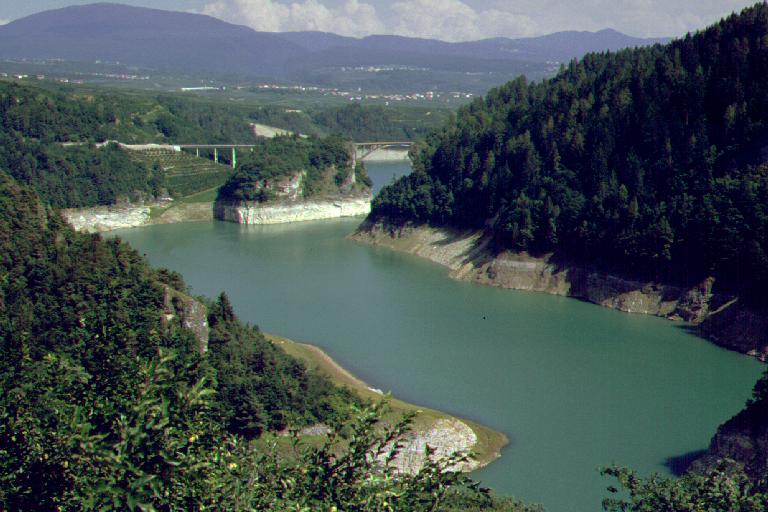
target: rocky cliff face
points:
(743, 439)
(446, 437)
(100, 219)
(719, 317)
(190, 313)
(106, 218)
(251, 212)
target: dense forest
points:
(323, 166)
(60, 114)
(644, 161)
(358, 122)
(48, 136)
(372, 123)
(108, 403)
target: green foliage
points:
(34, 123)
(361, 123)
(637, 161)
(59, 114)
(76, 176)
(725, 488)
(372, 123)
(351, 470)
(259, 386)
(184, 173)
(106, 404)
(361, 174)
(323, 164)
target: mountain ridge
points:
(195, 43)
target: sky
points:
(449, 20)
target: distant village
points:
(81, 77)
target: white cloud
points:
(4, 21)
(263, 15)
(454, 20)
(635, 17)
(457, 20)
(353, 18)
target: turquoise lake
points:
(573, 385)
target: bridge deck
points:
(211, 146)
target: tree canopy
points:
(645, 161)
(321, 166)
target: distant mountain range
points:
(199, 44)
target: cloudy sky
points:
(452, 20)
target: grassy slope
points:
(489, 442)
(185, 173)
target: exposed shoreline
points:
(720, 318)
(102, 219)
(387, 155)
(252, 212)
(429, 423)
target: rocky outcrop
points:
(106, 218)
(100, 219)
(445, 437)
(189, 312)
(387, 155)
(719, 317)
(252, 212)
(738, 328)
(743, 439)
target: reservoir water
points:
(573, 385)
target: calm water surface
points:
(574, 386)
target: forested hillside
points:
(372, 123)
(293, 167)
(107, 401)
(36, 123)
(646, 161)
(47, 136)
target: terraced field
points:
(185, 173)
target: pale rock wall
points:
(720, 318)
(106, 218)
(263, 130)
(447, 437)
(249, 212)
(387, 155)
(191, 313)
(100, 219)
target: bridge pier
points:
(234, 158)
(216, 155)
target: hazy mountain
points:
(146, 37)
(557, 47)
(194, 43)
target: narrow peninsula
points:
(292, 179)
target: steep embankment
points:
(290, 179)
(743, 438)
(387, 155)
(253, 212)
(467, 254)
(100, 219)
